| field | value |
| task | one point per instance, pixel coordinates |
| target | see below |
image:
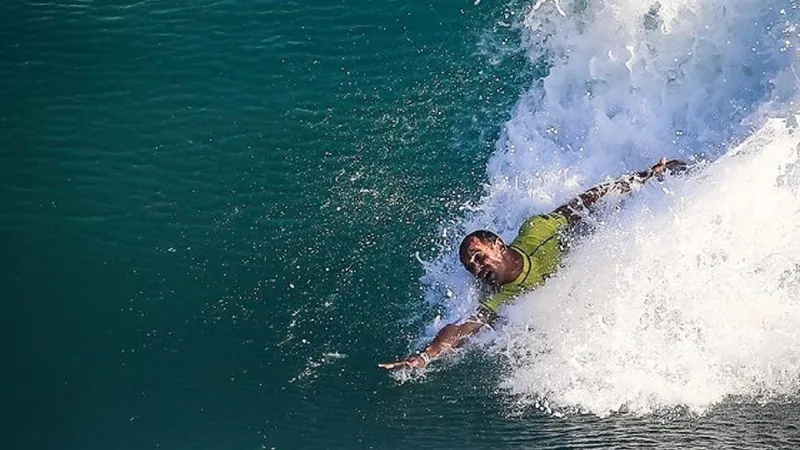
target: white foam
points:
(676, 300)
(682, 298)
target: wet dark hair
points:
(483, 235)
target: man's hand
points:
(671, 167)
(450, 337)
(412, 361)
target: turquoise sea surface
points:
(219, 216)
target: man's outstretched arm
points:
(450, 337)
(575, 208)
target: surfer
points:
(527, 262)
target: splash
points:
(689, 294)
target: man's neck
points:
(517, 264)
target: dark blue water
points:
(200, 198)
(210, 212)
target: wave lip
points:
(630, 82)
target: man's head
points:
(485, 255)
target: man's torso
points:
(540, 245)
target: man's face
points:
(485, 259)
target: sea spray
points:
(669, 303)
(687, 296)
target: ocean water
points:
(218, 217)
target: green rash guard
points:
(540, 246)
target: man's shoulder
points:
(540, 227)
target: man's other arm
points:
(575, 208)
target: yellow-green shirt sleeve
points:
(504, 295)
(538, 230)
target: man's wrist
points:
(426, 358)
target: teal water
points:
(201, 198)
(210, 216)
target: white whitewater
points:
(691, 292)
